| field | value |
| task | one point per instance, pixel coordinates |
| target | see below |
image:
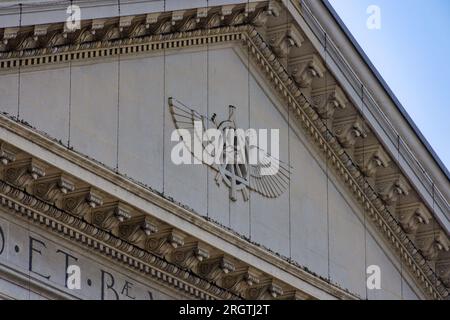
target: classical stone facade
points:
(86, 175)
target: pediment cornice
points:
(371, 95)
(102, 223)
(340, 134)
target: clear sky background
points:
(412, 53)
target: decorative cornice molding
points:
(328, 99)
(283, 38)
(51, 187)
(188, 268)
(412, 215)
(174, 208)
(344, 166)
(392, 187)
(305, 12)
(443, 269)
(347, 128)
(81, 202)
(305, 69)
(109, 216)
(24, 172)
(131, 35)
(432, 242)
(106, 244)
(137, 229)
(7, 154)
(371, 158)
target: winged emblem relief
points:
(239, 157)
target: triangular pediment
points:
(102, 94)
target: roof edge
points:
(388, 90)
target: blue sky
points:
(412, 53)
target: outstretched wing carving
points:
(238, 177)
(273, 184)
(184, 118)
